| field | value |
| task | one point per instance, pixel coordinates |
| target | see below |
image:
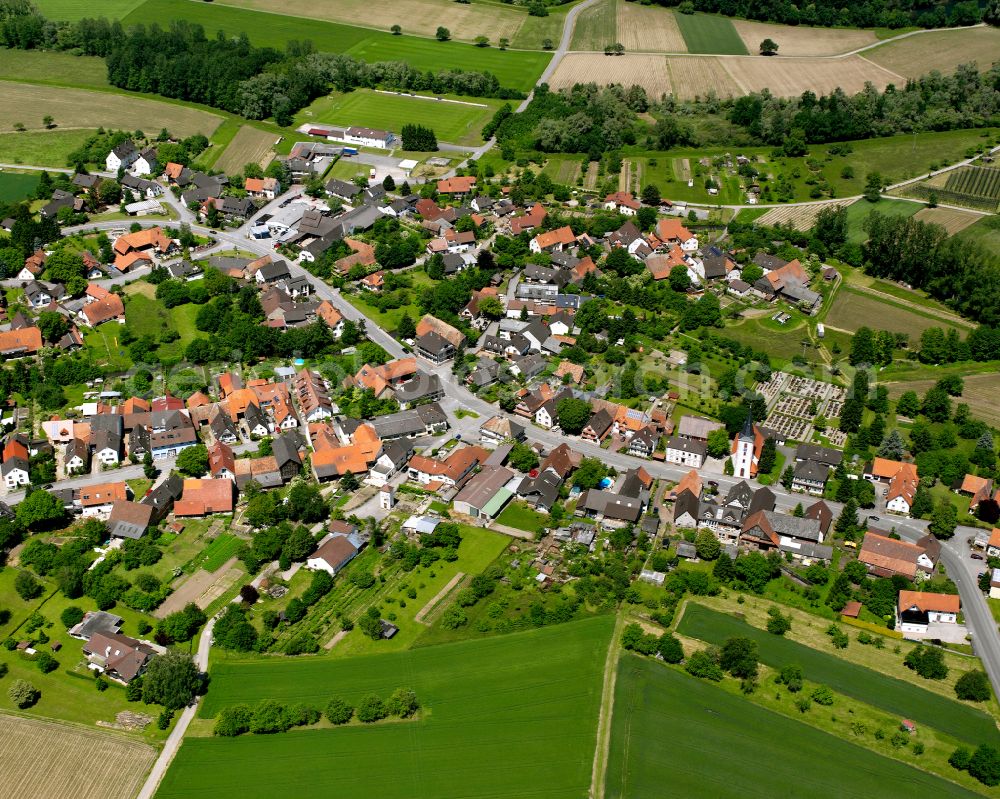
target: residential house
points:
(203, 497)
(333, 554)
(916, 611)
(312, 394)
(437, 341)
(643, 442)
(263, 188)
(122, 156)
(886, 556)
(109, 308)
(457, 186)
(163, 497)
(15, 472)
(672, 231)
(498, 429)
(419, 421)
(767, 531)
(810, 476)
(453, 471)
(553, 240)
(393, 459)
(21, 342)
(623, 202)
(609, 508)
(119, 657)
(686, 451)
(129, 519)
(97, 500)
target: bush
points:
(233, 721)
(973, 686)
(339, 712)
(738, 656)
(928, 662)
(837, 636)
(703, 664)
(670, 649)
(268, 717)
(46, 663)
(453, 618)
(371, 709)
(402, 703)
(777, 622)
(960, 758)
(71, 616)
(822, 696)
(23, 694)
(791, 677)
(27, 587)
(985, 765)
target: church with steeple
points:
(747, 446)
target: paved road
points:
(173, 741)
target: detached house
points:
(122, 156)
(916, 611)
(623, 202)
(553, 240)
(686, 451)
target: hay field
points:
(853, 309)
(791, 77)
(941, 50)
(648, 71)
(801, 40)
(692, 77)
(951, 220)
(596, 27)
(414, 16)
(649, 29)
(980, 393)
(249, 146)
(79, 108)
(59, 761)
(801, 217)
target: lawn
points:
(879, 690)
(41, 148)
(147, 316)
(516, 69)
(452, 122)
(521, 517)
(43, 66)
(766, 335)
(859, 211)
(506, 716)
(707, 33)
(675, 735)
(17, 186)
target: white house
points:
(121, 157)
(15, 472)
(686, 452)
(333, 554)
(145, 163)
(917, 610)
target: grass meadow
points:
(674, 735)
(859, 211)
(41, 148)
(708, 33)
(516, 69)
(36, 66)
(73, 10)
(451, 122)
(513, 715)
(878, 690)
(16, 186)
(852, 309)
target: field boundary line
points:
(879, 66)
(915, 307)
(438, 597)
(603, 743)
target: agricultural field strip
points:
(675, 735)
(51, 760)
(532, 696)
(864, 684)
(249, 145)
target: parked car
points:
(976, 556)
(873, 518)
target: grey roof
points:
(411, 422)
(543, 489)
(811, 471)
(794, 526)
(484, 486)
(285, 450)
(96, 621)
(770, 262)
(420, 386)
(612, 506)
(688, 445)
(105, 439)
(531, 365)
(254, 417)
(812, 452)
(113, 422)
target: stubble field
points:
(648, 29)
(941, 50)
(802, 40)
(648, 71)
(49, 760)
(79, 108)
(791, 77)
(249, 146)
(801, 217)
(951, 220)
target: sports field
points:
(15, 186)
(941, 50)
(79, 108)
(708, 33)
(508, 716)
(250, 145)
(61, 761)
(513, 68)
(675, 735)
(457, 123)
(877, 690)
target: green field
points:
(878, 690)
(986, 231)
(516, 69)
(452, 122)
(859, 211)
(15, 186)
(41, 148)
(708, 33)
(79, 9)
(596, 26)
(38, 66)
(508, 716)
(763, 333)
(674, 735)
